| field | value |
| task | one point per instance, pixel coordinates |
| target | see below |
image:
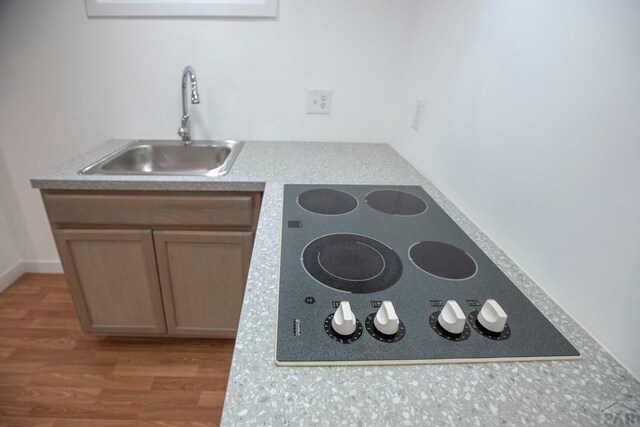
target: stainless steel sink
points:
(207, 158)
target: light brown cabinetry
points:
(202, 275)
(113, 278)
(182, 272)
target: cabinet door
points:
(203, 276)
(113, 279)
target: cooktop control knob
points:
(344, 321)
(386, 320)
(492, 316)
(452, 318)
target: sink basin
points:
(207, 158)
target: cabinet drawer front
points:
(144, 209)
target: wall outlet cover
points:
(319, 101)
(417, 114)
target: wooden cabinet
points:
(202, 275)
(113, 280)
(155, 263)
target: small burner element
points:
(325, 201)
(396, 202)
(352, 263)
(443, 260)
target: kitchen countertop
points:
(260, 393)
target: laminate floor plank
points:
(150, 398)
(112, 382)
(130, 423)
(72, 324)
(14, 380)
(82, 395)
(54, 375)
(19, 367)
(212, 399)
(13, 313)
(189, 383)
(27, 422)
(52, 356)
(143, 357)
(15, 323)
(38, 343)
(5, 352)
(8, 393)
(77, 367)
(156, 370)
(95, 410)
(12, 408)
(179, 413)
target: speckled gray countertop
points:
(259, 393)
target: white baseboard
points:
(42, 266)
(11, 275)
(21, 267)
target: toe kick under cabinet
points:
(155, 263)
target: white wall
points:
(10, 257)
(69, 83)
(11, 266)
(532, 127)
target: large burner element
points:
(443, 260)
(352, 263)
(325, 201)
(396, 202)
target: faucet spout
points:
(188, 74)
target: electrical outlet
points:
(417, 114)
(319, 101)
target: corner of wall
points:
(11, 275)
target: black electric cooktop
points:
(382, 275)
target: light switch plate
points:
(319, 101)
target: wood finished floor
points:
(54, 375)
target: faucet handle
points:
(184, 132)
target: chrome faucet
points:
(185, 127)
